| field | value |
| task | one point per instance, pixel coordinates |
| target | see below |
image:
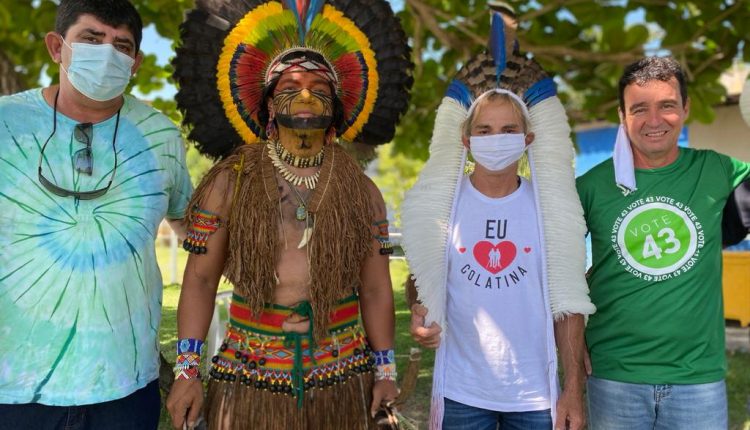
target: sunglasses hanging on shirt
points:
(83, 159)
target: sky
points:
(152, 43)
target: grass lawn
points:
(417, 406)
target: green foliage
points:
(738, 389)
(396, 174)
(22, 31)
(584, 43)
(197, 164)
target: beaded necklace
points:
(296, 161)
(309, 181)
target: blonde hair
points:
(500, 97)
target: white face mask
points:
(497, 151)
(99, 72)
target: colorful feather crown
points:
(227, 47)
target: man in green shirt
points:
(654, 215)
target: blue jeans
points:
(617, 405)
(459, 416)
(138, 411)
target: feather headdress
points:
(429, 207)
(227, 47)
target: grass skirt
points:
(263, 378)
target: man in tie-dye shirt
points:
(86, 176)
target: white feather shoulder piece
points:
(563, 226)
(427, 209)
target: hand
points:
(295, 324)
(570, 413)
(429, 337)
(383, 392)
(184, 402)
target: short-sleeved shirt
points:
(80, 289)
(497, 318)
(656, 272)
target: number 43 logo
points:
(657, 238)
(651, 247)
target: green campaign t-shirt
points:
(656, 273)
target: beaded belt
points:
(258, 353)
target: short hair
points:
(649, 69)
(114, 13)
(492, 98)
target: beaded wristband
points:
(386, 356)
(188, 359)
(187, 366)
(189, 345)
(386, 372)
(189, 373)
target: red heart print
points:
(494, 258)
(461, 250)
(527, 249)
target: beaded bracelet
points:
(386, 356)
(189, 345)
(187, 366)
(189, 373)
(386, 372)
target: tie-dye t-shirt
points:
(80, 290)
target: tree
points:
(584, 43)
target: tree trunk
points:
(10, 80)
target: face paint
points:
(303, 109)
(303, 117)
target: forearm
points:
(378, 316)
(569, 337)
(196, 307)
(376, 292)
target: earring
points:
(330, 135)
(271, 132)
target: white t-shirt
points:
(496, 343)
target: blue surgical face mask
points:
(99, 72)
(497, 151)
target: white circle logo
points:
(657, 238)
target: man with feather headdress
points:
(288, 216)
(498, 260)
